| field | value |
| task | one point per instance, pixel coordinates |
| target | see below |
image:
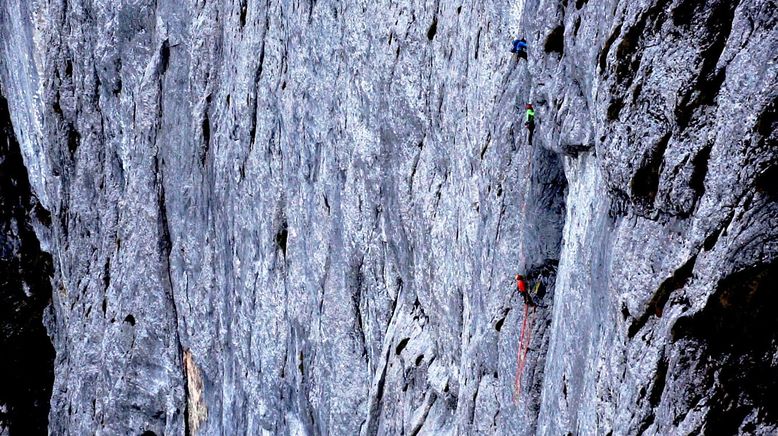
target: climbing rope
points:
(524, 340)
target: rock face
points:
(305, 217)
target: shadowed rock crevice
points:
(555, 41)
(737, 334)
(700, 170)
(27, 363)
(645, 183)
(546, 218)
(657, 303)
(630, 49)
(433, 29)
(710, 78)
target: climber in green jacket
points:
(529, 123)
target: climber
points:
(529, 123)
(520, 48)
(521, 285)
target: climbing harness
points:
(524, 340)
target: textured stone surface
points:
(295, 217)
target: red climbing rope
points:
(521, 357)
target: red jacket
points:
(521, 284)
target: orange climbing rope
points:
(521, 357)
(524, 340)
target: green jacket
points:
(530, 115)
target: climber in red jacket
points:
(521, 285)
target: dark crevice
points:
(433, 29)
(629, 52)
(767, 182)
(281, 237)
(645, 182)
(683, 13)
(657, 303)
(356, 302)
(55, 106)
(164, 57)
(646, 423)
(711, 240)
(700, 170)
(254, 97)
(705, 89)
(206, 131)
(767, 122)
(401, 346)
(118, 84)
(564, 387)
(660, 380)
(736, 334)
(477, 43)
(608, 43)
(499, 323)
(74, 140)
(555, 41)
(546, 192)
(703, 93)
(27, 362)
(243, 12)
(261, 66)
(614, 109)
(486, 145)
(374, 410)
(165, 246)
(628, 55)
(580, 3)
(106, 275)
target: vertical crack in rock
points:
(433, 29)
(205, 129)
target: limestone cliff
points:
(304, 217)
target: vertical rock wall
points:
(666, 111)
(305, 217)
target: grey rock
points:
(305, 218)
